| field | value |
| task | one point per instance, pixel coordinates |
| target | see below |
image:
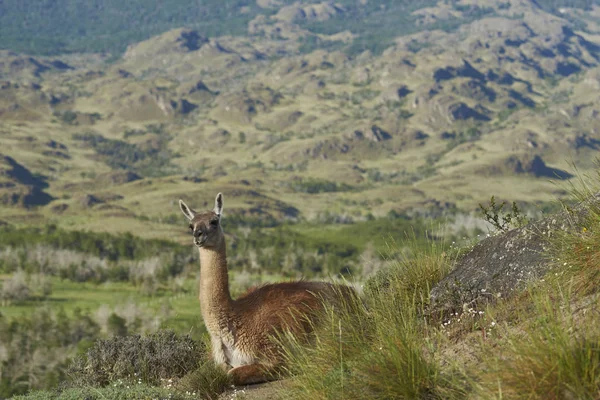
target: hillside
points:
(434, 124)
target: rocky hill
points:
(304, 113)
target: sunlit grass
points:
(183, 314)
(542, 343)
(381, 347)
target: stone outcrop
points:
(501, 265)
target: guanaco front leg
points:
(253, 373)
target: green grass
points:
(543, 342)
(555, 354)
(184, 315)
(375, 349)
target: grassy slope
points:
(183, 315)
(541, 343)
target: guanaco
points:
(242, 330)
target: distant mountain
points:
(333, 111)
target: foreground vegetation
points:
(541, 343)
(61, 290)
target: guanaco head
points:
(205, 226)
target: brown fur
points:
(242, 330)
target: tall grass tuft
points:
(381, 347)
(575, 252)
(414, 268)
(553, 350)
(554, 356)
(206, 382)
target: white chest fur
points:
(226, 352)
(235, 357)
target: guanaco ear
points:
(218, 204)
(188, 212)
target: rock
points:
(403, 91)
(60, 65)
(55, 145)
(24, 188)
(583, 140)
(501, 265)
(194, 179)
(183, 106)
(220, 136)
(476, 90)
(200, 86)
(19, 173)
(526, 101)
(191, 40)
(419, 135)
(56, 154)
(26, 196)
(124, 74)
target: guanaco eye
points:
(214, 222)
(191, 228)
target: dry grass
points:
(375, 349)
(543, 343)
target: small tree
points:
(14, 289)
(40, 285)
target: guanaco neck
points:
(215, 300)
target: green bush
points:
(146, 359)
(103, 245)
(36, 347)
(313, 186)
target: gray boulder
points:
(501, 265)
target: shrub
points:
(14, 289)
(152, 158)
(414, 270)
(119, 390)
(313, 186)
(161, 355)
(503, 221)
